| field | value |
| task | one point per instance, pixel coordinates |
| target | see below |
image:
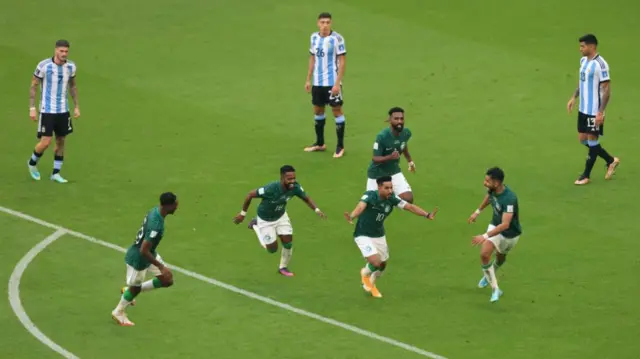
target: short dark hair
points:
(496, 173)
(62, 43)
(324, 15)
(589, 39)
(383, 179)
(286, 168)
(168, 198)
(396, 109)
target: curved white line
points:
(14, 295)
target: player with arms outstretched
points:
(390, 143)
(504, 231)
(327, 63)
(372, 210)
(272, 220)
(142, 257)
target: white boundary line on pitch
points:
(60, 231)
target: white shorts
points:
(400, 184)
(136, 277)
(370, 246)
(269, 231)
(503, 244)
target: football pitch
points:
(207, 99)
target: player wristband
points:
(32, 108)
(317, 210)
(485, 236)
(477, 211)
(243, 213)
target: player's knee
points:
(287, 245)
(272, 248)
(383, 265)
(337, 111)
(168, 283)
(375, 261)
(500, 260)
(45, 142)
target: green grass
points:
(207, 100)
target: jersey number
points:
(140, 234)
(591, 123)
(319, 52)
(582, 76)
(380, 217)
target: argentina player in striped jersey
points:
(594, 90)
(327, 63)
(58, 78)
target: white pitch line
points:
(232, 288)
(14, 294)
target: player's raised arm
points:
(245, 206)
(476, 213)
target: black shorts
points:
(587, 124)
(58, 123)
(321, 96)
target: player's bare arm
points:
(73, 90)
(312, 64)
(245, 206)
(407, 156)
(393, 156)
(605, 89)
(420, 212)
(33, 90)
(572, 100)
(313, 206)
(483, 205)
(503, 226)
(356, 212)
(342, 63)
(145, 250)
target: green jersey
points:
(506, 202)
(371, 221)
(275, 198)
(152, 230)
(386, 143)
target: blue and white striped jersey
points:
(55, 84)
(326, 50)
(592, 73)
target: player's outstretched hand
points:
(432, 214)
(473, 217)
(477, 240)
(347, 216)
(412, 167)
(570, 104)
(307, 86)
(238, 219)
(321, 214)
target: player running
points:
(374, 207)
(594, 90)
(142, 257)
(390, 143)
(503, 232)
(272, 220)
(327, 63)
(58, 77)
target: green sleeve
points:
(378, 146)
(395, 200)
(299, 191)
(366, 198)
(264, 191)
(153, 232)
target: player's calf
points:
(285, 255)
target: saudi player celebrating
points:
(390, 143)
(272, 220)
(142, 257)
(503, 232)
(374, 207)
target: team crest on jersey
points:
(387, 208)
(402, 145)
